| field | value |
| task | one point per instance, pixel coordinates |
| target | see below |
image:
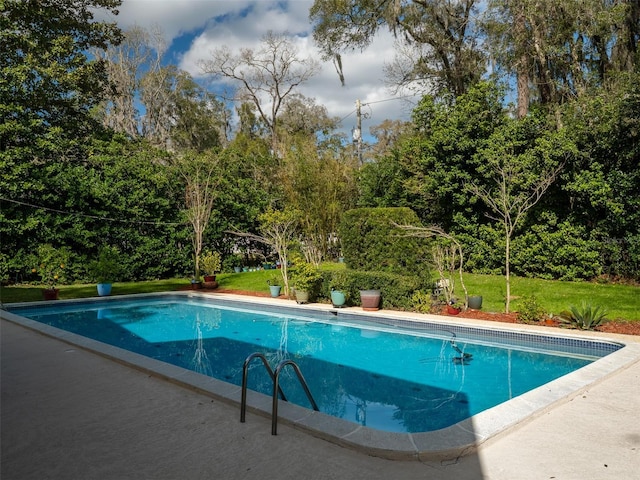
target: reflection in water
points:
(200, 361)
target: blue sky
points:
(193, 28)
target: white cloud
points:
(241, 24)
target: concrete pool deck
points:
(69, 413)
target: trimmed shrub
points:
(397, 291)
(371, 241)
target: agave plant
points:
(585, 318)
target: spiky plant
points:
(585, 318)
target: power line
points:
(379, 101)
(391, 99)
(94, 217)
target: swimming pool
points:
(395, 375)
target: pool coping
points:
(448, 443)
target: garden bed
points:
(621, 327)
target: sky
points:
(194, 28)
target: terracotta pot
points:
(50, 293)
(452, 310)
(370, 299)
(209, 278)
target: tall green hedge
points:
(372, 241)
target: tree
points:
(520, 173)
(126, 63)
(47, 79)
(267, 76)
(48, 87)
(320, 184)
(446, 50)
(447, 255)
(181, 115)
(201, 173)
(278, 229)
(561, 50)
(178, 113)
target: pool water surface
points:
(389, 377)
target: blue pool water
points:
(388, 377)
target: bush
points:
(306, 277)
(556, 252)
(372, 242)
(529, 310)
(396, 290)
(106, 268)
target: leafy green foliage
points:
(306, 277)
(421, 302)
(372, 240)
(211, 262)
(555, 250)
(50, 263)
(529, 310)
(584, 318)
(397, 290)
(106, 268)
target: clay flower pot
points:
(370, 299)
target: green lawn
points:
(33, 293)
(621, 301)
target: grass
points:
(622, 302)
(33, 293)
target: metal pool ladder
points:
(275, 377)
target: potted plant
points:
(211, 263)
(305, 278)
(51, 264)
(105, 269)
(275, 284)
(338, 286)
(453, 307)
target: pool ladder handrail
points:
(275, 377)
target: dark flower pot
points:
(50, 293)
(475, 302)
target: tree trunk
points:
(507, 270)
(522, 67)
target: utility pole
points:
(357, 133)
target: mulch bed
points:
(621, 327)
